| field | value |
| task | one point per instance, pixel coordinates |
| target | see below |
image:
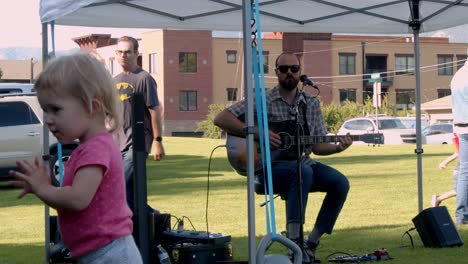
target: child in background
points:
(436, 199)
(79, 98)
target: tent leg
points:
(45, 150)
(246, 17)
(418, 149)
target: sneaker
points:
(308, 253)
(60, 254)
(435, 201)
(310, 248)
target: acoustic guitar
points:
(237, 147)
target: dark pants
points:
(317, 177)
(127, 158)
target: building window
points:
(231, 94)
(460, 61)
(404, 64)
(231, 56)
(404, 99)
(443, 92)
(188, 101)
(266, 68)
(187, 62)
(347, 63)
(445, 64)
(152, 62)
(347, 94)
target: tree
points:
(207, 125)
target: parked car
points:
(13, 88)
(410, 121)
(21, 134)
(391, 127)
(441, 133)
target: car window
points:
(11, 90)
(426, 131)
(358, 125)
(447, 128)
(16, 114)
(391, 124)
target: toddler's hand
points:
(33, 176)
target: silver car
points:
(21, 134)
(441, 133)
(391, 127)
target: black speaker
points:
(436, 228)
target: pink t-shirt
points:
(108, 216)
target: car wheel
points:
(54, 166)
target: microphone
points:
(306, 81)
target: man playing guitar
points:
(283, 101)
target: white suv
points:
(393, 130)
(21, 134)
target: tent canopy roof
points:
(332, 16)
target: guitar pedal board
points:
(195, 237)
(197, 247)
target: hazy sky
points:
(20, 26)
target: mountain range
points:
(457, 34)
(26, 53)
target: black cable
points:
(253, 32)
(339, 252)
(177, 221)
(189, 222)
(410, 237)
(208, 187)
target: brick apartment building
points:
(193, 69)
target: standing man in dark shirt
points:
(134, 79)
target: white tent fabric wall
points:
(329, 16)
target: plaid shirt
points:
(280, 110)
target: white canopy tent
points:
(328, 16)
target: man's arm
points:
(327, 148)
(158, 147)
(228, 122)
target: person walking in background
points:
(459, 89)
(134, 79)
(281, 104)
(78, 97)
(437, 199)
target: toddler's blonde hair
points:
(82, 76)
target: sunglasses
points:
(285, 68)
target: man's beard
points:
(289, 83)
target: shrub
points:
(207, 125)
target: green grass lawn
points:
(380, 205)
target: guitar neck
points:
(325, 139)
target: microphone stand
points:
(305, 257)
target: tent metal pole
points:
(415, 24)
(418, 149)
(45, 143)
(246, 18)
